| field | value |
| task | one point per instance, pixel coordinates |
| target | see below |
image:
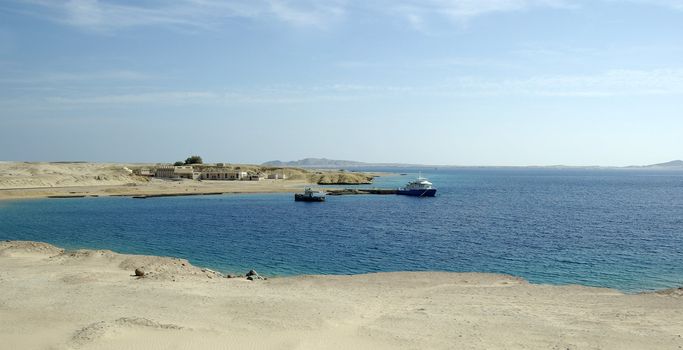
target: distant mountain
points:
(671, 164)
(316, 163)
(334, 163)
(341, 164)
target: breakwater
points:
(356, 191)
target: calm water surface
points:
(610, 228)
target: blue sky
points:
(487, 82)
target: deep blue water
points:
(611, 228)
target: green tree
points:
(178, 163)
(193, 160)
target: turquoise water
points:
(610, 228)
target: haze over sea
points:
(599, 227)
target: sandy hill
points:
(671, 164)
(31, 175)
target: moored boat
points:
(309, 196)
(419, 187)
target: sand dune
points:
(31, 175)
(52, 299)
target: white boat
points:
(420, 187)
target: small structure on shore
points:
(223, 174)
(186, 172)
(143, 172)
(176, 172)
(255, 177)
(164, 172)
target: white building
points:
(223, 174)
(186, 172)
(176, 172)
(255, 177)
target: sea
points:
(616, 228)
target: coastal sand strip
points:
(52, 299)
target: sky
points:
(458, 82)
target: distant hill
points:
(341, 164)
(315, 163)
(334, 163)
(671, 164)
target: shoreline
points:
(91, 299)
(42, 180)
(223, 273)
(158, 189)
(179, 189)
(108, 191)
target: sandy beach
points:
(19, 180)
(52, 299)
(157, 187)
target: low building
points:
(176, 172)
(165, 172)
(223, 174)
(186, 172)
(255, 177)
(143, 172)
(277, 176)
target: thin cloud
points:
(102, 16)
(445, 62)
(624, 83)
(71, 77)
(673, 4)
(174, 97)
(107, 16)
(608, 83)
(308, 13)
(420, 12)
